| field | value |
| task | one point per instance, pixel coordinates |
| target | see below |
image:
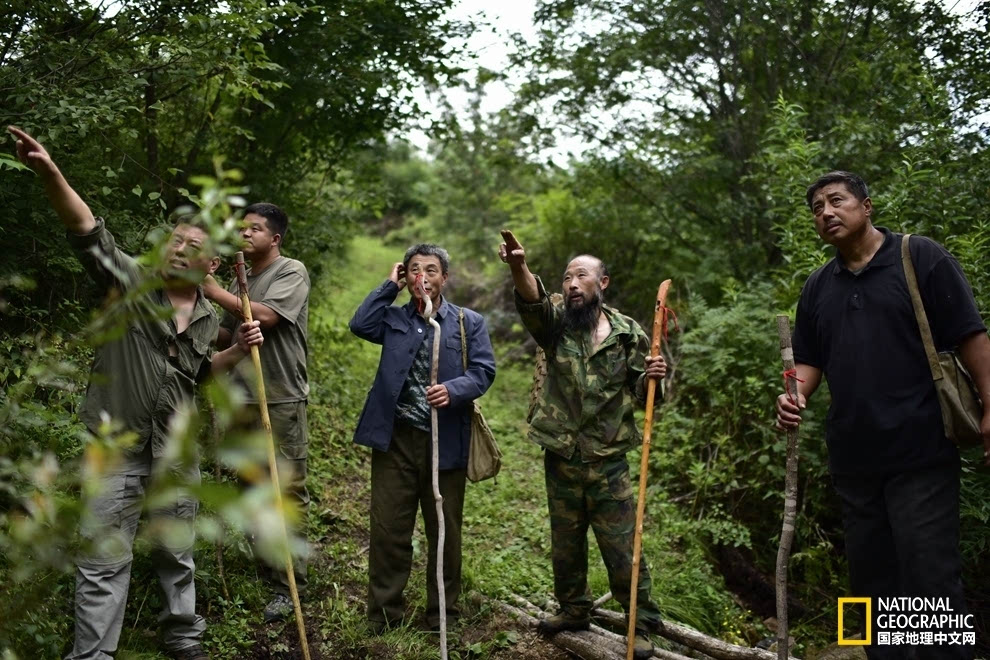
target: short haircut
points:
(428, 250)
(602, 266)
(275, 218)
(853, 182)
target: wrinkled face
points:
(257, 236)
(431, 269)
(186, 255)
(839, 214)
(583, 281)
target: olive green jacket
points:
(134, 380)
(589, 398)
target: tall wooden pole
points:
(790, 491)
(427, 312)
(266, 422)
(659, 323)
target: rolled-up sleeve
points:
(102, 259)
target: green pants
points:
(290, 431)
(401, 482)
(599, 494)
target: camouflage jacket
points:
(589, 398)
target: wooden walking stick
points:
(659, 324)
(266, 422)
(790, 490)
(426, 309)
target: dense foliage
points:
(709, 120)
(706, 122)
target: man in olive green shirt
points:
(279, 290)
(139, 380)
(597, 364)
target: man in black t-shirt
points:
(895, 472)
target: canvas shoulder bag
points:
(961, 407)
(484, 456)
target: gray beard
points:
(583, 318)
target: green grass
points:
(506, 526)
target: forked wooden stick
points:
(790, 491)
(659, 323)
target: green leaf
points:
(11, 163)
(136, 190)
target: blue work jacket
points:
(400, 330)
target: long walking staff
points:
(426, 309)
(272, 462)
(790, 490)
(659, 324)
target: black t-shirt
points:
(860, 330)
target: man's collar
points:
(885, 256)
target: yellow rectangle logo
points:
(842, 641)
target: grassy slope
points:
(506, 534)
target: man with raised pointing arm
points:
(598, 361)
(140, 380)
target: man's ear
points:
(277, 240)
(603, 283)
(868, 205)
(214, 266)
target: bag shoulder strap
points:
(919, 309)
(460, 320)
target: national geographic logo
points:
(908, 621)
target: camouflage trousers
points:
(599, 494)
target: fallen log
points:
(691, 638)
(603, 599)
(598, 630)
(583, 644)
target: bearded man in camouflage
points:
(597, 364)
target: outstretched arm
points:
(71, 209)
(512, 253)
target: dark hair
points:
(853, 182)
(275, 218)
(428, 250)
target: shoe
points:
(642, 646)
(194, 652)
(560, 622)
(376, 627)
(278, 608)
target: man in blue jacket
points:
(396, 424)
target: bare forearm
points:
(525, 283)
(975, 354)
(71, 209)
(226, 359)
(224, 338)
(232, 304)
(812, 377)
